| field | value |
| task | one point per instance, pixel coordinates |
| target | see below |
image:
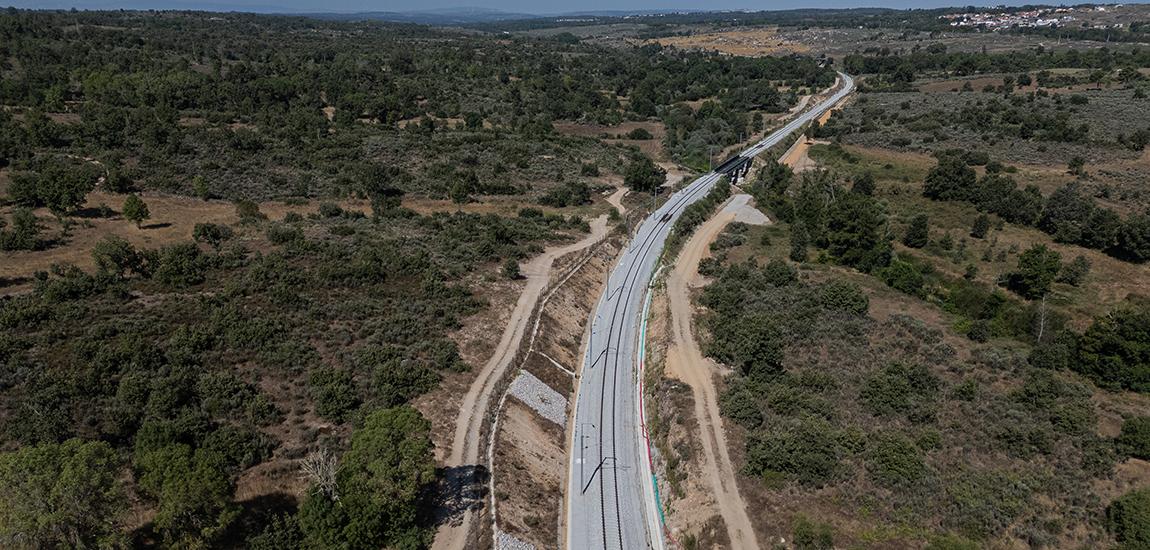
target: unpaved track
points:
(452, 535)
(686, 362)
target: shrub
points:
(1075, 272)
(135, 210)
(248, 211)
(751, 343)
(904, 277)
(639, 133)
(843, 296)
(983, 503)
(899, 388)
(25, 232)
(1128, 518)
(330, 210)
(180, 265)
(1115, 350)
(284, 234)
(779, 273)
(918, 234)
(1134, 441)
(63, 495)
(333, 392)
(213, 234)
(511, 269)
(117, 257)
(806, 450)
(893, 460)
(812, 535)
(980, 227)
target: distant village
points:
(1044, 17)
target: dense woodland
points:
(242, 105)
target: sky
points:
(540, 7)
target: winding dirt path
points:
(686, 362)
(452, 535)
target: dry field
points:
(750, 43)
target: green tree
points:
(200, 188)
(213, 234)
(798, 243)
(511, 269)
(117, 257)
(192, 489)
(643, 175)
(918, 234)
(856, 232)
(951, 179)
(864, 184)
(1128, 518)
(25, 231)
(980, 227)
(135, 210)
(1115, 350)
(63, 188)
(1036, 270)
(376, 183)
(378, 486)
(64, 495)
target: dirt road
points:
(686, 362)
(472, 411)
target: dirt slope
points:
(477, 400)
(686, 362)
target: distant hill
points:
(442, 16)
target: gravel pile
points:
(549, 403)
(505, 541)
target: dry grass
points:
(172, 220)
(750, 43)
(899, 176)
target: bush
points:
(213, 234)
(751, 344)
(1134, 441)
(918, 234)
(330, 210)
(843, 296)
(180, 265)
(135, 210)
(806, 450)
(899, 388)
(983, 503)
(639, 133)
(25, 232)
(333, 392)
(812, 535)
(1128, 518)
(1115, 350)
(1075, 272)
(284, 234)
(248, 211)
(904, 277)
(63, 495)
(117, 257)
(893, 460)
(779, 273)
(511, 269)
